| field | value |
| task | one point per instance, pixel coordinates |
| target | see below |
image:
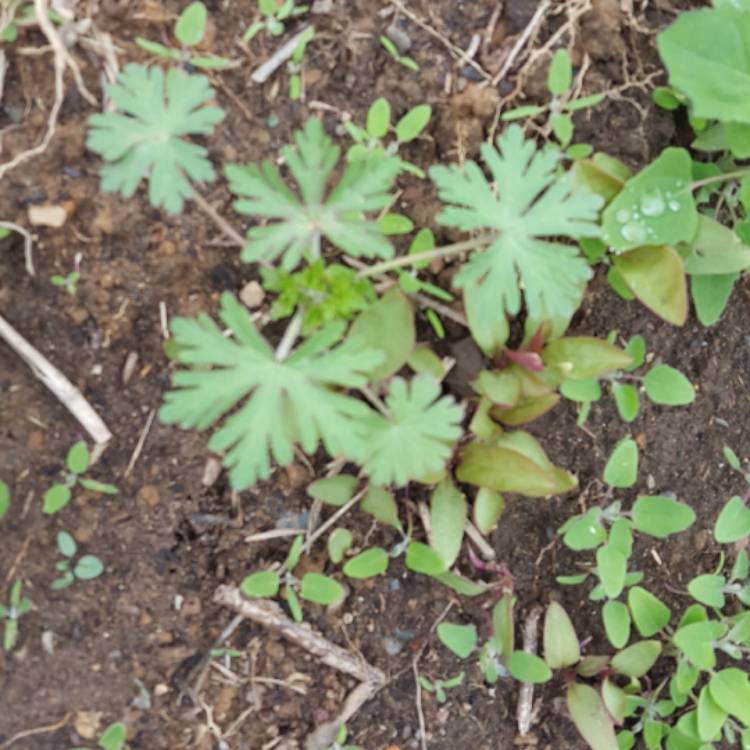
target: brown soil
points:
(166, 540)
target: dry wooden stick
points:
(38, 730)
(270, 615)
(525, 709)
(66, 392)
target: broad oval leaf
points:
(711, 295)
(656, 276)
(591, 666)
(697, 642)
(371, 562)
(191, 25)
(561, 647)
(636, 660)
(339, 542)
(626, 400)
(636, 348)
(584, 532)
(423, 559)
(616, 619)
(650, 615)
(527, 410)
(378, 118)
(665, 385)
(56, 498)
(621, 469)
(591, 717)
(413, 123)
(733, 522)
(714, 76)
(460, 639)
(66, 544)
(78, 458)
(708, 589)
(448, 511)
(88, 567)
(615, 699)
(528, 668)
(584, 357)
(388, 327)
(321, 589)
(487, 509)
(612, 567)
(730, 689)
(261, 585)
(501, 388)
(711, 716)
(715, 250)
(655, 207)
(381, 505)
(503, 630)
(560, 72)
(661, 516)
(581, 390)
(334, 491)
(113, 737)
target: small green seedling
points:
(14, 15)
(4, 499)
(392, 50)
(113, 738)
(561, 106)
(17, 608)
(438, 687)
(77, 463)
(370, 141)
(294, 66)
(86, 568)
(340, 741)
(69, 282)
(274, 13)
(189, 32)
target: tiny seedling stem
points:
(719, 178)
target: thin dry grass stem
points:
(525, 714)
(28, 244)
(48, 729)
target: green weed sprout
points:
(274, 13)
(369, 142)
(17, 607)
(340, 742)
(86, 568)
(4, 499)
(112, 738)
(189, 32)
(70, 281)
(16, 14)
(438, 687)
(408, 62)
(77, 463)
(294, 66)
(561, 106)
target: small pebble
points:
(252, 294)
(161, 689)
(394, 584)
(471, 74)
(211, 471)
(131, 362)
(292, 520)
(392, 646)
(399, 37)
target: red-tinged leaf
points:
(526, 410)
(591, 717)
(561, 647)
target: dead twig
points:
(141, 442)
(418, 701)
(525, 709)
(66, 392)
(28, 244)
(531, 27)
(333, 519)
(270, 615)
(38, 730)
(21, 554)
(282, 54)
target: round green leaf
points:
(392, 224)
(56, 498)
(621, 537)
(371, 562)
(528, 668)
(711, 294)
(335, 491)
(423, 559)
(661, 516)
(413, 123)
(626, 400)
(622, 467)
(88, 567)
(381, 505)
(460, 639)
(730, 689)
(650, 615)
(665, 385)
(4, 498)
(378, 118)
(338, 543)
(585, 532)
(113, 737)
(261, 585)
(66, 544)
(697, 642)
(708, 589)
(448, 512)
(616, 623)
(562, 127)
(191, 25)
(321, 589)
(711, 716)
(636, 660)
(561, 647)
(636, 348)
(78, 458)
(581, 390)
(733, 522)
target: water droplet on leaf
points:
(622, 215)
(652, 204)
(674, 205)
(634, 232)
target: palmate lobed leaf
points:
(417, 438)
(303, 217)
(280, 402)
(143, 139)
(532, 204)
